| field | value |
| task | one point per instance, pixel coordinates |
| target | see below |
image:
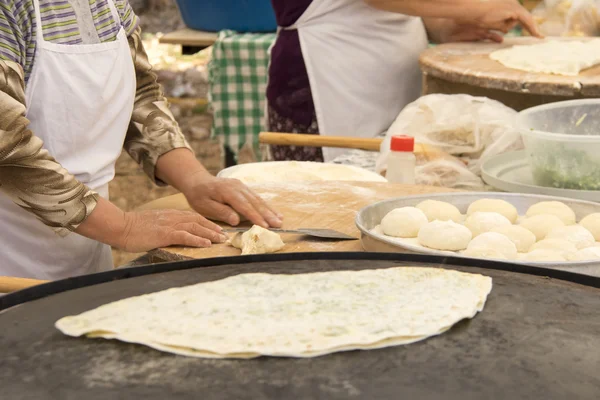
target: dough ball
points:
(561, 210)
(541, 224)
(445, 235)
(440, 211)
(494, 205)
(521, 237)
(257, 240)
(493, 241)
(558, 245)
(484, 252)
(588, 254)
(592, 224)
(481, 222)
(403, 222)
(543, 255)
(575, 234)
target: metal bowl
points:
(371, 216)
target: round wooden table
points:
(467, 68)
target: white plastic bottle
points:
(402, 160)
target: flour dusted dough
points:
(494, 243)
(521, 237)
(501, 207)
(257, 240)
(541, 224)
(557, 208)
(445, 235)
(405, 222)
(298, 171)
(553, 57)
(481, 222)
(592, 224)
(575, 234)
(440, 211)
(303, 315)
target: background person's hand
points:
(450, 31)
(226, 200)
(499, 15)
(152, 229)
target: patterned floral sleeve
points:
(28, 174)
(153, 130)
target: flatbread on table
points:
(304, 315)
(567, 58)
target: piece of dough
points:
(543, 255)
(592, 224)
(291, 315)
(587, 254)
(575, 234)
(403, 222)
(521, 237)
(440, 211)
(567, 58)
(481, 222)
(561, 210)
(445, 235)
(257, 240)
(561, 246)
(493, 241)
(541, 224)
(494, 205)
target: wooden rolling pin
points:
(300, 139)
(9, 284)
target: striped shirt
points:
(61, 24)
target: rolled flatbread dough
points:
(553, 57)
(257, 240)
(302, 315)
(299, 171)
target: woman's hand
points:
(148, 230)
(499, 15)
(496, 15)
(450, 31)
(219, 199)
(226, 199)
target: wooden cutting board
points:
(331, 205)
(469, 64)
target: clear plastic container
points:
(562, 141)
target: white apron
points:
(79, 101)
(362, 66)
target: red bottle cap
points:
(403, 143)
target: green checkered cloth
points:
(237, 88)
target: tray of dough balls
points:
(527, 229)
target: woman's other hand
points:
(226, 200)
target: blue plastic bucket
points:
(237, 15)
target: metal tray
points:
(537, 338)
(371, 216)
(511, 172)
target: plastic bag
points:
(568, 17)
(460, 132)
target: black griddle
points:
(537, 338)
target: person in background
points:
(348, 67)
(75, 87)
